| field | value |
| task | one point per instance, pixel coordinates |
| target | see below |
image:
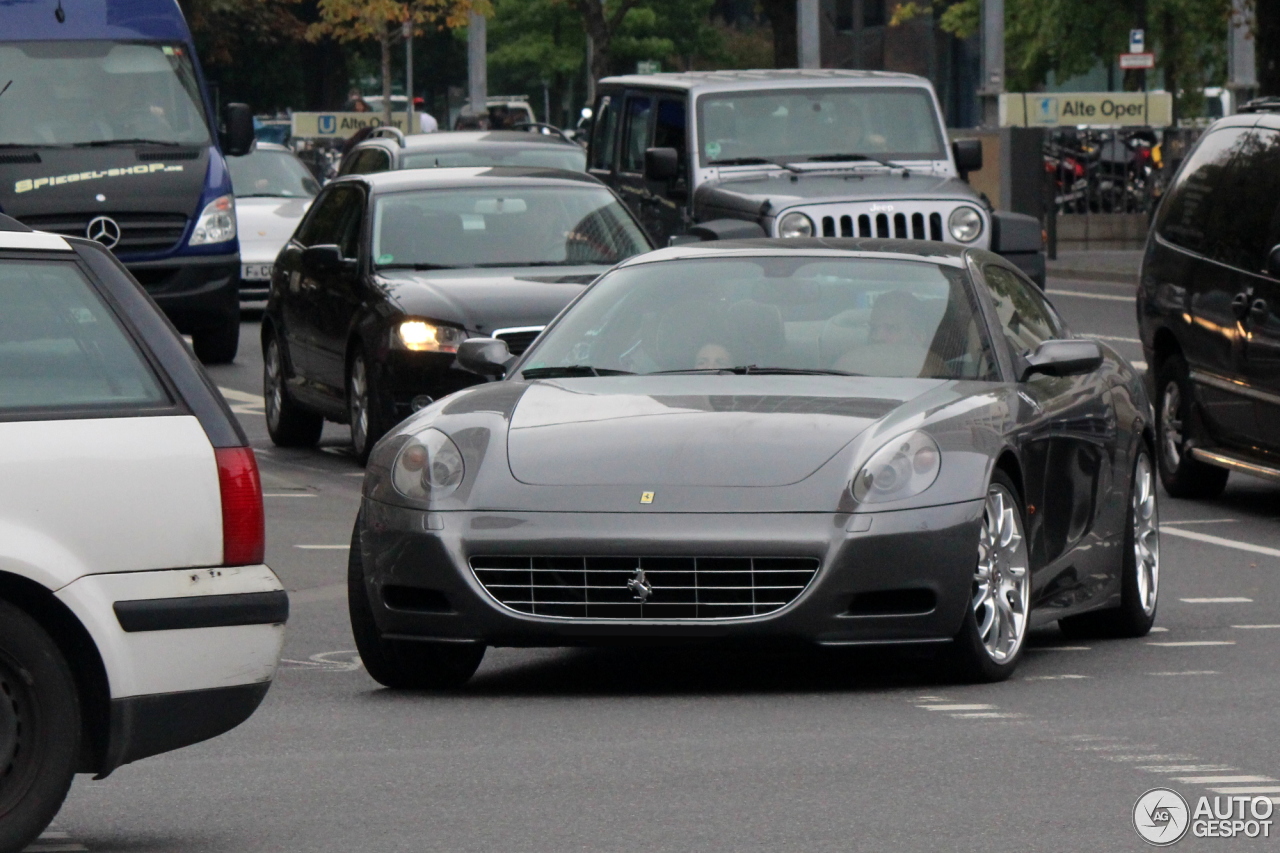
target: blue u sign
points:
(327, 124)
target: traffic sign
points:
(1137, 41)
(1130, 61)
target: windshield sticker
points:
(386, 259)
(713, 150)
(30, 184)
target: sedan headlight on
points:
(430, 465)
(965, 224)
(421, 336)
(903, 468)
(217, 222)
(795, 225)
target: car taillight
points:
(243, 533)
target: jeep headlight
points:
(429, 465)
(795, 224)
(902, 468)
(965, 224)
(216, 223)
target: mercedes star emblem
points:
(104, 229)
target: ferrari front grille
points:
(645, 587)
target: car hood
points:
(482, 300)
(266, 224)
(750, 191)
(669, 431)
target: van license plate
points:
(255, 272)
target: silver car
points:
(273, 190)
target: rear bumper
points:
(196, 292)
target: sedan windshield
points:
(271, 173)
(572, 158)
(795, 126)
(99, 93)
(788, 314)
(515, 226)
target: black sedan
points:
(389, 273)
(847, 442)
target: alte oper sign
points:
(340, 125)
(1067, 109)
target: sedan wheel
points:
(995, 624)
(362, 409)
(1183, 476)
(288, 424)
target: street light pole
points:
(477, 65)
(809, 34)
(410, 126)
(992, 61)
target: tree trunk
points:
(385, 41)
(600, 24)
(782, 19)
(1268, 46)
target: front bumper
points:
(932, 549)
(188, 653)
(402, 375)
(197, 292)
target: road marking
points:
(931, 699)
(240, 396)
(1222, 780)
(1197, 643)
(977, 707)
(1159, 630)
(1218, 540)
(1190, 672)
(1230, 599)
(1061, 649)
(1248, 789)
(1203, 521)
(988, 715)
(288, 495)
(1254, 627)
(1107, 296)
(1186, 768)
(341, 661)
(55, 841)
(323, 547)
(1148, 757)
(1054, 677)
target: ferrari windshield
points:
(503, 226)
(771, 314)
(99, 93)
(797, 125)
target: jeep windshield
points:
(787, 127)
(100, 93)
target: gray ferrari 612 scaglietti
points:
(841, 441)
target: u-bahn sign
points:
(1097, 109)
(340, 125)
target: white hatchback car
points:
(136, 615)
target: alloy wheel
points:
(1171, 424)
(1146, 539)
(1002, 582)
(274, 369)
(358, 402)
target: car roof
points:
(461, 139)
(469, 176)
(770, 78)
(259, 145)
(15, 235)
(911, 250)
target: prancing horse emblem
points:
(639, 586)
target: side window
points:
(1195, 215)
(635, 133)
(323, 223)
(604, 134)
(62, 348)
(1026, 319)
(1251, 198)
(351, 221)
(368, 161)
(669, 129)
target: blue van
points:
(107, 132)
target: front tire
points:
(402, 665)
(288, 424)
(363, 411)
(1182, 476)
(218, 344)
(991, 638)
(39, 729)
(1140, 568)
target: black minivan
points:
(1209, 308)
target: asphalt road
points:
(722, 750)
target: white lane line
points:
(1148, 757)
(1111, 338)
(1229, 599)
(1254, 627)
(1189, 672)
(1107, 296)
(1187, 768)
(1248, 789)
(1220, 780)
(323, 547)
(288, 495)
(1218, 540)
(988, 715)
(1064, 677)
(1159, 630)
(55, 847)
(974, 707)
(1203, 521)
(931, 699)
(1196, 643)
(1061, 649)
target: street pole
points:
(411, 127)
(809, 34)
(477, 65)
(1242, 56)
(992, 61)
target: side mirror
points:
(1273, 262)
(968, 154)
(661, 164)
(1063, 358)
(485, 356)
(237, 140)
(321, 259)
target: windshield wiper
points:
(857, 158)
(417, 267)
(751, 369)
(752, 161)
(106, 143)
(571, 370)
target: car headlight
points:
(421, 336)
(795, 224)
(965, 224)
(429, 465)
(216, 223)
(903, 468)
